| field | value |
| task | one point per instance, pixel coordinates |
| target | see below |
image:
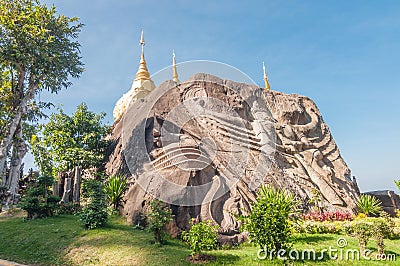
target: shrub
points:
(158, 216)
(316, 200)
(328, 216)
(381, 229)
(114, 189)
(38, 201)
(94, 214)
(268, 223)
(398, 213)
(362, 230)
(368, 204)
(68, 208)
(315, 227)
(377, 228)
(201, 236)
(396, 230)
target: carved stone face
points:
(202, 137)
(205, 145)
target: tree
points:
(38, 52)
(69, 141)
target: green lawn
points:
(62, 241)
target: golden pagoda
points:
(142, 85)
(266, 83)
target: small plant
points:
(369, 205)
(158, 216)
(268, 224)
(38, 201)
(114, 189)
(316, 200)
(398, 213)
(202, 236)
(94, 214)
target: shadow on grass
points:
(227, 258)
(313, 239)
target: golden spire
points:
(175, 71)
(267, 87)
(143, 72)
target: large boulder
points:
(205, 145)
(390, 200)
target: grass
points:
(61, 240)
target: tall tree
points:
(38, 51)
(69, 141)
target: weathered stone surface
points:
(390, 200)
(241, 137)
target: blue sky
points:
(342, 54)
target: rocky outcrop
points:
(390, 200)
(206, 145)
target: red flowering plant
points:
(328, 216)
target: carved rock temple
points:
(206, 144)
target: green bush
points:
(201, 236)
(114, 189)
(68, 208)
(360, 229)
(268, 224)
(396, 230)
(316, 227)
(158, 216)
(38, 201)
(94, 214)
(377, 228)
(368, 204)
(381, 229)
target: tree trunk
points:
(77, 184)
(67, 190)
(60, 184)
(7, 141)
(157, 236)
(19, 152)
(55, 189)
(3, 173)
(15, 117)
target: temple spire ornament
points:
(175, 71)
(143, 72)
(266, 83)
